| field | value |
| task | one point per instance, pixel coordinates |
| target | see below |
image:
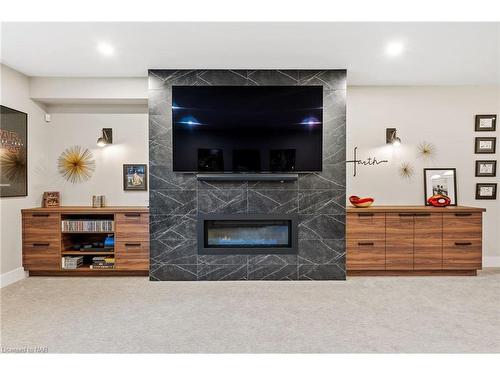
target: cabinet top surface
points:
(88, 209)
(416, 209)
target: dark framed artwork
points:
(440, 181)
(486, 191)
(135, 177)
(486, 168)
(485, 145)
(486, 123)
(13, 153)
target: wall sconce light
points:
(391, 137)
(106, 138)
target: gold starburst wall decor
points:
(76, 164)
(13, 165)
(426, 150)
(406, 170)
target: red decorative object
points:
(360, 202)
(439, 200)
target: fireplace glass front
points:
(247, 235)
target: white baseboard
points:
(491, 261)
(11, 277)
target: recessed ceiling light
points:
(105, 48)
(394, 48)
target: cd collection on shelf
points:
(87, 226)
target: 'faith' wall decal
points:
(369, 161)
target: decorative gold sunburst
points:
(76, 164)
(406, 170)
(426, 150)
(13, 165)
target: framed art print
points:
(485, 145)
(135, 177)
(440, 181)
(13, 153)
(486, 168)
(486, 191)
(486, 123)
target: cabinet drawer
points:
(41, 261)
(462, 254)
(365, 255)
(130, 249)
(462, 225)
(132, 255)
(41, 247)
(41, 226)
(139, 264)
(132, 226)
(370, 226)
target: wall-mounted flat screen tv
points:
(247, 129)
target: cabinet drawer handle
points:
(404, 215)
(40, 215)
(40, 244)
(463, 243)
(132, 244)
(423, 214)
(365, 214)
(365, 243)
(462, 214)
(134, 214)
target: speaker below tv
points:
(247, 129)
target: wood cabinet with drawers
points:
(45, 242)
(414, 240)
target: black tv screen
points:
(247, 128)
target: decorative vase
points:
(439, 200)
(361, 202)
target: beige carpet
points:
(369, 314)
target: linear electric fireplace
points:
(247, 234)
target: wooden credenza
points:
(45, 243)
(414, 240)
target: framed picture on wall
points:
(486, 191)
(486, 168)
(485, 145)
(13, 153)
(135, 177)
(440, 181)
(486, 123)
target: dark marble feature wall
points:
(318, 199)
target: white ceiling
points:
(435, 54)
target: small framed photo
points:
(486, 168)
(486, 123)
(135, 177)
(51, 199)
(440, 181)
(485, 145)
(486, 191)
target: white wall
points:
(15, 94)
(130, 145)
(443, 116)
(79, 108)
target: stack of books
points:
(87, 225)
(100, 263)
(71, 263)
